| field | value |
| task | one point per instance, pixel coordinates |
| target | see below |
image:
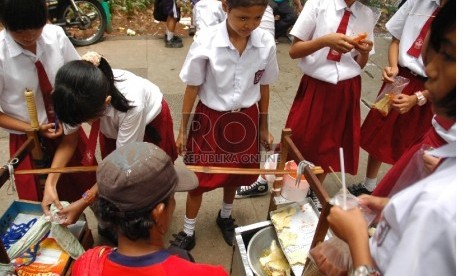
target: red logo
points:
(258, 76)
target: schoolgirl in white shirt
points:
(229, 68)
(325, 114)
(387, 138)
(26, 41)
(123, 107)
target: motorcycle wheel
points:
(87, 25)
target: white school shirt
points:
(406, 25)
(267, 22)
(417, 232)
(127, 127)
(322, 17)
(227, 80)
(449, 135)
(208, 13)
(18, 71)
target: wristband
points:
(365, 270)
(421, 99)
(88, 197)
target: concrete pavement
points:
(147, 57)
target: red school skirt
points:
(70, 186)
(159, 132)
(387, 138)
(325, 117)
(223, 139)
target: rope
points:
(11, 170)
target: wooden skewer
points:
(200, 169)
(335, 175)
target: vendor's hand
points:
(181, 143)
(389, 73)
(266, 139)
(71, 213)
(431, 162)
(339, 42)
(50, 196)
(403, 103)
(50, 131)
(347, 225)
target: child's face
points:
(440, 68)
(26, 38)
(243, 20)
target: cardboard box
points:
(51, 259)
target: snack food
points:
(274, 262)
(384, 105)
(360, 37)
(287, 238)
(282, 219)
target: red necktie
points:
(415, 49)
(46, 89)
(333, 54)
(89, 154)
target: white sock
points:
(226, 210)
(370, 183)
(261, 180)
(169, 35)
(189, 226)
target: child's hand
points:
(339, 42)
(403, 103)
(363, 46)
(72, 212)
(50, 131)
(50, 196)
(347, 224)
(389, 73)
(181, 143)
(431, 162)
(266, 139)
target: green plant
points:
(129, 6)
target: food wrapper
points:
(332, 257)
(389, 91)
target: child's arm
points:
(188, 102)
(45, 130)
(393, 57)
(336, 41)
(364, 47)
(62, 156)
(266, 139)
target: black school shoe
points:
(359, 189)
(183, 241)
(227, 228)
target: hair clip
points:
(92, 57)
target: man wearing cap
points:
(136, 185)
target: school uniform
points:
(224, 128)
(325, 114)
(18, 72)
(387, 138)
(208, 13)
(417, 231)
(149, 120)
(442, 131)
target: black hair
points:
(444, 22)
(17, 15)
(81, 89)
(245, 3)
(133, 225)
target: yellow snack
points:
(274, 262)
(384, 105)
(282, 219)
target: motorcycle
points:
(84, 21)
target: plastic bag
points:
(413, 172)
(332, 257)
(385, 98)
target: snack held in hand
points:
(360, 37)
(385, 104)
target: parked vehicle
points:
(84, 21)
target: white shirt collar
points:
(223, 37)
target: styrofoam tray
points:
(303, 224)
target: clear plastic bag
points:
(385, 98)
(332, 257)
